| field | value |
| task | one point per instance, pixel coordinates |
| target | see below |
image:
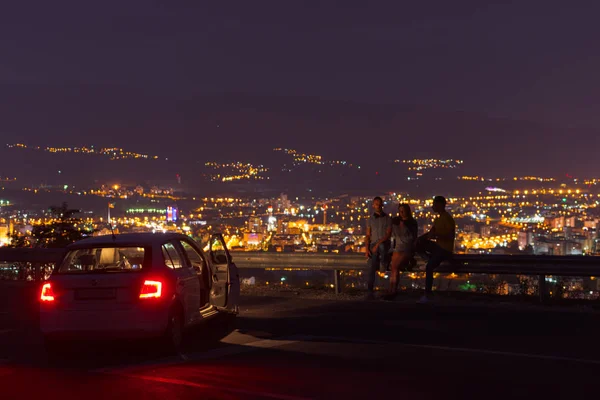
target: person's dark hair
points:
(439, 199)
(378, 198)
(407, 209)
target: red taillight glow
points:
(151, 289)
(47, 293)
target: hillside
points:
(197, 129)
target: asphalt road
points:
(293, 348)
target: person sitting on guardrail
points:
(404, 232)
(379, 232)
(440, 250)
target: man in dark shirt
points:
(440, 250)
(379, 232)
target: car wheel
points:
(173, 337)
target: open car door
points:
(220, 261)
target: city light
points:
(425, 164)
(114, 153)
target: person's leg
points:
(436, 258)
(396, 259)
(424, 247)
(384, 257)
(420, 247)
(412, 261)
(373, 265)
(403, 259)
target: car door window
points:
(172, 257)
(218, 251)
(195, 258)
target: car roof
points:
(146, 239)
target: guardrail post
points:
(21, 268)
(337, 281)
(542, 288)
(37, 273)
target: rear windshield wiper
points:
(111, 269)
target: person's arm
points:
(431, 234)
(386, 237)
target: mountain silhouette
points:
(192, 129)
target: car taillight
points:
(151, 289)
(47, 292)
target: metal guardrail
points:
(324, 261)
(540, 266)
(485, 264)
(30, 255)
(24, 264)
(531, 265)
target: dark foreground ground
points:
(289, 347)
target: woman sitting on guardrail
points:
(404, 232)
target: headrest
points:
(108, 256)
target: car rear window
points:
(105, 259)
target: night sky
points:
(119, 72)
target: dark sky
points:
(535, 60)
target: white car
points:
(137, 285)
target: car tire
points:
(173, 336)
